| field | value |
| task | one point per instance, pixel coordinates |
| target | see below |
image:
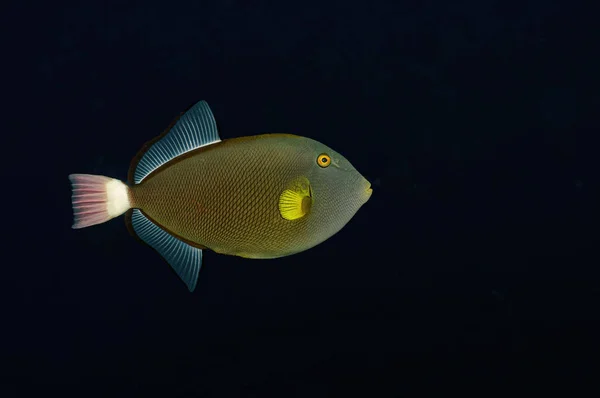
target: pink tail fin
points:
(97, 199)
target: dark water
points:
(474, 265)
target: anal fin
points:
(185, 260)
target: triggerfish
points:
(261, 196)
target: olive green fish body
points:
(225, 197)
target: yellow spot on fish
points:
(296, 201)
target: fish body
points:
(263, 196)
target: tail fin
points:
(97, 199)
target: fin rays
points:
(185, 260)
(195, 128)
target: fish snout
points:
(367, 189)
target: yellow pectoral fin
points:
(295, 202)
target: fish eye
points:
(323, 160)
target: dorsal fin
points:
(193, 129)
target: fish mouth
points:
(368, 190)
(364, 190)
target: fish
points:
(263, 196)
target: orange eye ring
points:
(323, 160)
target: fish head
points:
(338, 190)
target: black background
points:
(474, 266)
